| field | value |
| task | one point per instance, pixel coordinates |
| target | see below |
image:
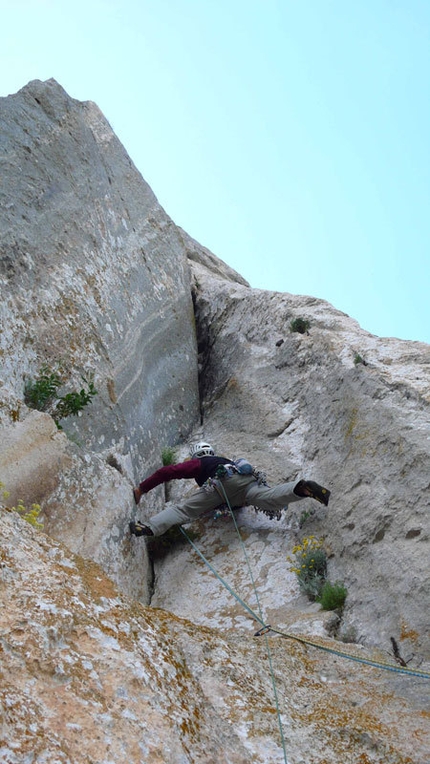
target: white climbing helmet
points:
(201, 449)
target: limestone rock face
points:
(90, 675)
(33, 454)
(95, 277)
(298, 405)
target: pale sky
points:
(290, 137)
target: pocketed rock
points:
(90, 675)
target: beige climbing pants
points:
(241, 491)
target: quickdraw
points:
(263, 630)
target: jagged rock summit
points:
(97, 279)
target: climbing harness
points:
(238, 467)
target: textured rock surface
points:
(94, 274)
(33, 454)
(304, 408)
(89, 675)
(86, 497)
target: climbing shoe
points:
(138, 529)
(137, 493)
(313, 490)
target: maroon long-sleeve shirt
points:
(199, 469)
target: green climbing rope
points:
(266, 628)
(268, 650)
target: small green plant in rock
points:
(72, 403)
(41, 393)
(300, 325)
(310, 566)
(359, 359)
(3, 491)
(30, 515)
(168, 456)
(305, 516)
(332, 596)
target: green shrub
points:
(41, 394)
(72, 403)
(168, 456)
(300, 325)
(305, 516)
(3, 491)
(310, 566)
(359, 359)
(30, 515)
(332, 596)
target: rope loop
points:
(303, 640)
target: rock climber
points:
(219, 479)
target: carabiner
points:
(263, 630)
